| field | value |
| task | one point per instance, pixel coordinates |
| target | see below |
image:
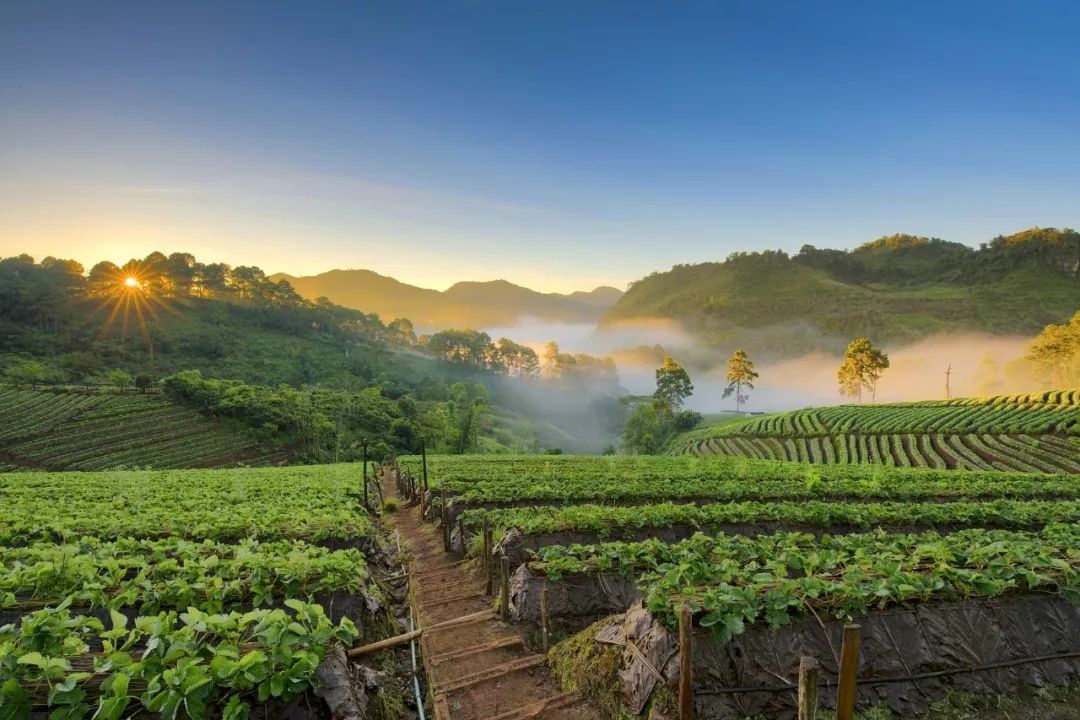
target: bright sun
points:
(131, 282)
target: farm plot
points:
(771, 558)
(1027, 433)
(468, 481)
(206, 593)
(76, 431)
(520, 532)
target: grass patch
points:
(580, 663)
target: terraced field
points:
(1027, 433)
(771, 558)
(193, 593)
(75, 431)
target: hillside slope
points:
(77, 431)
(897, 289)
(465, 304)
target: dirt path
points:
(479, 668)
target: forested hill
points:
(895, 289)
(466, 304)
(315, 376)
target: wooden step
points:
(493, 673)
(500, 689)
(457, 664)
(564, 705)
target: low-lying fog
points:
(981, 365)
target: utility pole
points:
(948, 393)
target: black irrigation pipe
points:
(899, 678)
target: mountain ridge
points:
(898, 288)
(468, 303)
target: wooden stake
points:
(423, 457)
(849, 669)
(544, 617)
(686, 664)
(504, 594)
(444, 513)
(365, 474)
(487, 557)
(808, 680)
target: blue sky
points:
(560, 145)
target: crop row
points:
(730, 581)
(999, 415)
(27, 415)
(1023, 453)
(460, 471)
(1049, 397)
(191, 448)
(155, 444)
(174, 573)
(589, 479)
(69, 431)
(86, 431)
(178, 593)
(604, 520)
(177, 664)
(312, 503)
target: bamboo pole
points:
(849, 668)
(808, 687)
(406, 637)
(444, 514)
(423, 458)
(365, 475)
(686, 663)
(504, 583)
(487, 557)
(383, 644)
(544, 617)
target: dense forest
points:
(899, 288)
(239, 345)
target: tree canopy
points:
(740, 374)
(861, 369)
(1055, 354)
(673, 384)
